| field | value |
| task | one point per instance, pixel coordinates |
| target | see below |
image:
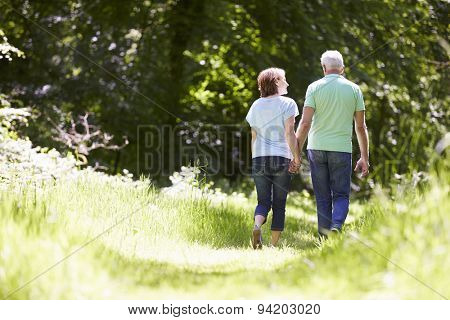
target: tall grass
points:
(161, 246)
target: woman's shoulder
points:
(274, 100)
(257, 101)
(288, 100)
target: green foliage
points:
(194, 64)
(7, 51)
(11, 118)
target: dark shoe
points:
(256, 238)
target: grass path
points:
(190, 247)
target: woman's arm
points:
(253, 138)
(291, 139)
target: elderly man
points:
(331, 105)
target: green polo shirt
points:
(334, 100)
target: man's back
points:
(331, 104)
(334, 100)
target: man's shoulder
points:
(347, 82)
(315, 84)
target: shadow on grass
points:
(217, 226)
(300, 233)
(153, 274)
(230, 227)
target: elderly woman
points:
(275, 153)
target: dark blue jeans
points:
(331, 173)
(272, 180)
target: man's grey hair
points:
(332, 59)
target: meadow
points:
(94, 236)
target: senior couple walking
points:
(331, 106)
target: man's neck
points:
(332, 72)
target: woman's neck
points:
(272, 96)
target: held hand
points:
(294, 165)
(363, 166)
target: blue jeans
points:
(331, 173)
(272, 180)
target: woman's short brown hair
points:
(267, 81)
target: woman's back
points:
(267, 117)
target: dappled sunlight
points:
(162, 234)
(149, 244)
(201, 258)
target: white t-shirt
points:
(267, 116)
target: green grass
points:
(195, 247)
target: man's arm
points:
(363, 141)
(303, 128)
(290, 138)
